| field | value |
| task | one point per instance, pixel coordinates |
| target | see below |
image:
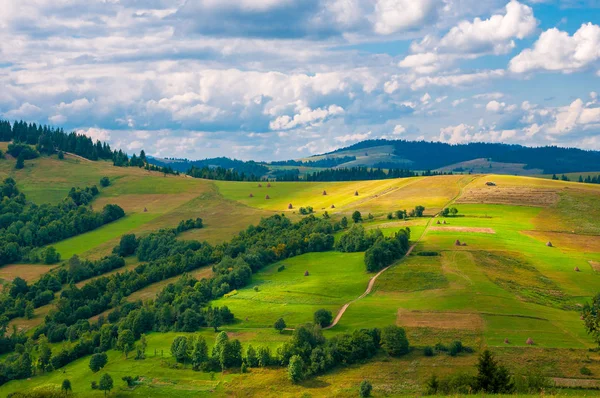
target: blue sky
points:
(280, 79)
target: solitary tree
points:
(66, 386)
(280, 325)
(20, 161)
(344, 222)
(97, 361)
(491, 377)
(323, 317)
(365, 389)
(126, 341)
(105, 181)
(356, 216)
(106, 383)
(296, 369)
(394, 340)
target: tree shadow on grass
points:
(314, 383)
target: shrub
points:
(455, 348)
(428, 254)
(323, 317)
(281, 268)
(104, 182)
(296, 369)
(365, 389)
(440, 347)
(393, 339)
(428, 351)
(585, 371)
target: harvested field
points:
(440, 320)
(464, 229)
(520, 196)
(576, 383)
(595, 265)
(29, 272)
(565, 240)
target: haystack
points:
(290, 207)
(306, 273)
(464, 244)
(250, 196)
(333, 206)
(145, 210)
(549, 244)
(576, 269)
(260, 185)
(444, 222)
(457, 243)
(356, 193)
(529, 341)
(506, 341)
(438, 222)
(269, 185)
(267, 197)
(324, 193)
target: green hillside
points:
(503, 288)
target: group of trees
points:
(358, 173)
(220, 173)
(587, 180)
(307, 353)
(24, 226)
(325, 162)
(182, 306)
(380, 251)
(49, 140)
(449, 212)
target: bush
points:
(585, 371)
(104, 182)
(365, 389)
(323, 317)
(428, 254)
(393, 339)
(428, 351)
(455, 348)
(281, 268)
(440, 347)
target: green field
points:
(503, 287)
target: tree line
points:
(25, 226)
(325, 162)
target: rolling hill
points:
(500, 289)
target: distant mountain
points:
(183, 165)
(475, 157)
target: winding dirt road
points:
(410, 249)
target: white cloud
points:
(456, 134)
(455, 80)
(555, 50)
(95, 134)
(399, 129)
(396, 15)
(305, 116)
(353, 137)
(470, 40)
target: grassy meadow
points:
(501, 286)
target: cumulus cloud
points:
(470, 39)
(306, 116)
(556, 50)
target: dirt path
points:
(77, 156)
(374, 278)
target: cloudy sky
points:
(279, 79)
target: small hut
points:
(290, 207)
(529, 341)
(549, 244)
(268, 185)
(306, 273)
(333, 206)
(267, 197)
(250, 196)
(324, 193)
(576, 269)
(145, 210)
(356, 193)
(457, 243)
